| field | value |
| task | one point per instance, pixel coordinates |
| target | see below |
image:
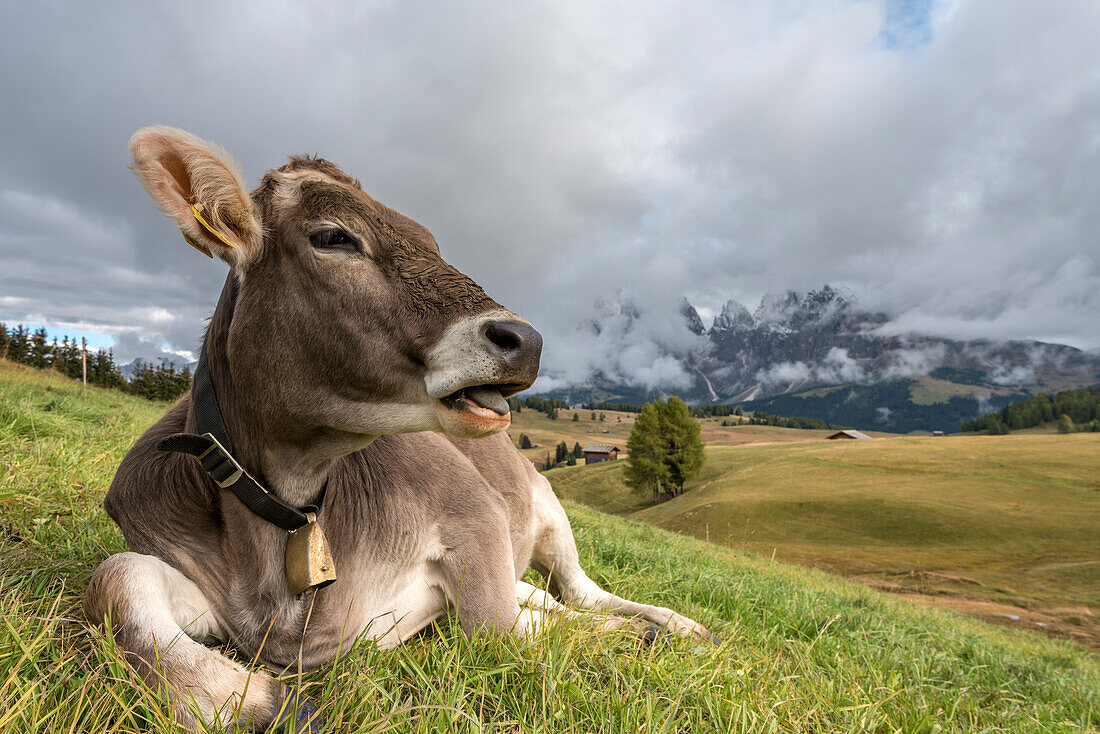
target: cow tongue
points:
(489, 398)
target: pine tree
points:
(39, 354)
(578, 452)
(524, 441)
(66, 359)
(17, 344)
(576, 417)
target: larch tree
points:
(684, 455)
(646, 470)
(665, 450)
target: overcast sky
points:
(940, 159)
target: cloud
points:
(909, 361)
(787, 373)
(1017, 375)
(628, 344)
(942, 159)
(834, 369)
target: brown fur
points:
(321, 362)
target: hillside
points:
(547, 433)
(802, 652)
(1013, 520)
(924, 403)
(1071, 410)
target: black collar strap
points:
(214, 451)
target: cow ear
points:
(200, 188)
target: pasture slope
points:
(802, 651)
(548, 433)
(1007, 527)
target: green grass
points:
(548, 433)
(926, 390)
(1018, 514)
(803, 652)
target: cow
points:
(340, 458)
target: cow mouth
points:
(481, 401)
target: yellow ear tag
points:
(197, 245)
(196, 210)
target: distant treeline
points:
(621, 407)
(708, 411)
(35, 349)
(542, 405)
(716, 411)
(159, 382)
(760, 418)
(1072, 410)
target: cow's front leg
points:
(539, 605)
(160, 618)
(555, 557)
(480, 578)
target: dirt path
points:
(1077, 623)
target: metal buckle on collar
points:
(219, 464)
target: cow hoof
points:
(655, 633)
(294, 714)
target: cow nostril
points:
(515, 347)
(503, 337)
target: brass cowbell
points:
(309, 563)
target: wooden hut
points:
(846, 434)
(595, 453)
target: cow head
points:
(347, 322)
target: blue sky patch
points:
(908, 24)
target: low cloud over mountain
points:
(794, 342)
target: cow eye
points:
(334, 239)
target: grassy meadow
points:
(548, 433)
(1001, 526)
(802, 651)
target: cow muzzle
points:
(476, 366)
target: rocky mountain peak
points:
(795, 310)
(691, 316)
(734, 317)
(777, 307)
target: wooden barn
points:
(846, 434)
(595, 453)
